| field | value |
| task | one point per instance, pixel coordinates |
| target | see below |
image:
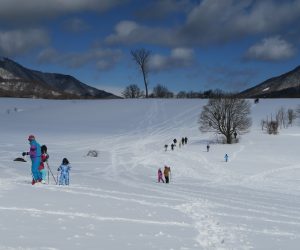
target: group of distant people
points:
(164, 176)
(39, 157)
(183, 141)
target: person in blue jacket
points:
(226, 157)
(35, 156)
(64, 169)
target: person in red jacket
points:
(42, 168)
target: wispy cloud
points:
(16, 42)
(75, 25)
(103, 59)
(271, 49)
(228, 77)
(158, 10)
(18, 10)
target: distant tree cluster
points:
(132, 91)
(161, 91)
(281, 119)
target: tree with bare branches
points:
(132, 91)
(141, 57)
(226, 115)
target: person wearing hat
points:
(35, 156)
(64, 169)
(167, 171)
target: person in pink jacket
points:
(160, 176)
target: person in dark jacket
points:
(44, 158)
(182, 141)
(167, 172)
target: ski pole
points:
(51, 172)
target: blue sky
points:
(195, 45)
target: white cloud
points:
(125, 28)
(215, 21)
(17, 42)
(219, 21)
(128, 32)
(178, 58)
(271, 49)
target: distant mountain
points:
(283, 86)
(18, 81)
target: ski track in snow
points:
(220, 219)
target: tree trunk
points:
(228, 139)
(145, 82)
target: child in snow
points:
(167, 171)
(64, 169)
(160, 176)
(226, 157)
(44, 158)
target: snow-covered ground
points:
(114, 200)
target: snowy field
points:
(114, 201)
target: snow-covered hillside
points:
(114, 200)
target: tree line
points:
(160, 91)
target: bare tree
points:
(298, 111)
(161, 91)
(272, 127)
(132, 91)
(141, 57)
(181, 94)
(226, 115)
(281, 117)
(291, 116)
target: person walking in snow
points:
(207, 147)
(185, 140)
(182, 141)
(44, 158)
(64, 169)
(160, 176)
(172, 146)
(167, 172)
(235, 134)
(166, 147)
(35, 156)
(226, 157)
